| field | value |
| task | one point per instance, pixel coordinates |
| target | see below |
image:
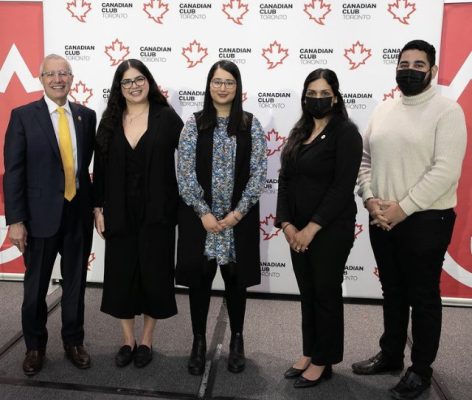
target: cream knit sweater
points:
(413, 152)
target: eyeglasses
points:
(60, 74)
(128, 83)
(229, 83)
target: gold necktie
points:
(65, 147)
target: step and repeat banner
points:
(275, 44)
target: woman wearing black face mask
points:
(316, 211)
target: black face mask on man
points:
(411, 81)
(318, 108)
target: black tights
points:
(235, 296)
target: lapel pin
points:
(79, 118)
(323, 136)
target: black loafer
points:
(236, 359)
(197, 360)
(143, 356)
(376, 365)
(302, 383)
(125, 355)
(410, 386)
(292, 373)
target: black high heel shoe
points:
(302, 382)
(293, 372)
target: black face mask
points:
(318, 108)
(412, 82)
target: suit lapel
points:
(79, 133)
(153, 128)
(45, 123)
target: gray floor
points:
(272, 340)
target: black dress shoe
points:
(196, 362)
(302, 382)
(410, 386)
(125, 355)
(143, 356)
(376, 365)
(292, 373)
(236, 359)
(33, 362)
(78, 356)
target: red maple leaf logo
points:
(155, 10)
(275, 54)
(393, 94)
(117, 52)
(164, 92)
(267, 227)
(79, 9)
(80, 93)
(235, 11)
(357, 54)
(194, 53)
(274, 142)
(244, 96)
(91, 259)
(317, 10)
(358, 229)
(401, 10)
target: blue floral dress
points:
(220, 245)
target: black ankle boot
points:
(196, 362)
(236, 359)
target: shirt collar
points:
(52, 107)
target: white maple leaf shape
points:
(357, 54)
(79, 9)
(275, 54)
(358, 230)
(235, 10)
(401, 10)
(194, 53)
(275, 142)
(317, 10)
(393, 94)
(80, 93)
(155, 10)
(117, 52)
(91, 259)
(267, 227)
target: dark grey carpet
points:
(272, 339)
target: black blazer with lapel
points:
(161, 192)
(33, 183)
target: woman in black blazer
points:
(136, 199)
(316, 210)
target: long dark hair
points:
(206, 119)
(117, 103)
(304, 126)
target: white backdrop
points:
(276, 44)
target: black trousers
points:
(73, 242)
(409, 259)
(320, 274)
(235, 296)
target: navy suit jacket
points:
(33, 183)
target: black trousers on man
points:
(409, 260)
(73, 242)
(320, 274)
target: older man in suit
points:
(48, 207)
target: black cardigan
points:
(319, 185)
(161, 192)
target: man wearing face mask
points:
(413, 152)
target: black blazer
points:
(33, 183)
(319, 185)
(161, 192)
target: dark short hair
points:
(422, 46)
